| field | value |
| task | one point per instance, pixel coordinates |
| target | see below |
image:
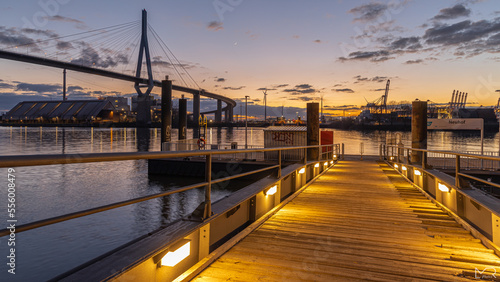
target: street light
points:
(246, 122)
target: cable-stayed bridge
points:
(125, 37)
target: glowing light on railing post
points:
(325, 164)
(271, 191)
(443, 188)
(331, 162)
(403, 168)
(173, 257)
(417, 172)
(396, 166)
(316, 165)
(302, 170)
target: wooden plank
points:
(357, 221)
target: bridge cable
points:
(90, 43)
(171, 62)
(60, 37)
(180, 64)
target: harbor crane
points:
(381, 103)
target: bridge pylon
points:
(143, 98)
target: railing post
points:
(279, 164)
(342, 151)
(208, 188)
(457, 171)
(408, 156)
(424, 160)
(320, 152)
(305, 155)
(399, 153)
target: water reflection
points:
(49, 191)
(143, 139)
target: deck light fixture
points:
(326, 163)
(302, 170)
(417, 172)
(403, 167)
(176, 253)
(316, 165)
(331, 162)
(334, 156)
(396, 166)
(271, 191)
(443, 188)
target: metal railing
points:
(38, 160)
(477, 211)
(445, 160)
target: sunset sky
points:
(300, 51)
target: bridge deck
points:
(360, 220)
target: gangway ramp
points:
(361, 220)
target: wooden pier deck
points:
(359, 221)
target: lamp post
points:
(246, 122)
(498, 109)
(265, 106)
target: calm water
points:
(48, 191)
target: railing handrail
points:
(447, 153)
(34, 160)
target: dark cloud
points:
(301, 89)
(79, 95)
(74, 88)
(220, 79)
(233, 88)
(303, 98)
(411, 62)
(63, 45)
(317, 41)
(91, 58)
(406, 43)
(281, 85)
(11, 37)
(368, 12)
(40, 32)
(215, 26)
(454, 12)
(39, 88)
(79, 24)
(379, 78)
(345, 90)
(463, 39)
(373, 56)
(266, 89)
(360, 79)
(4, 85)
(9, 100)
(158, 61)
(462, 32)
(342, 108)
(303, 86)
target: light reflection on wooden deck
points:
(359, 221)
